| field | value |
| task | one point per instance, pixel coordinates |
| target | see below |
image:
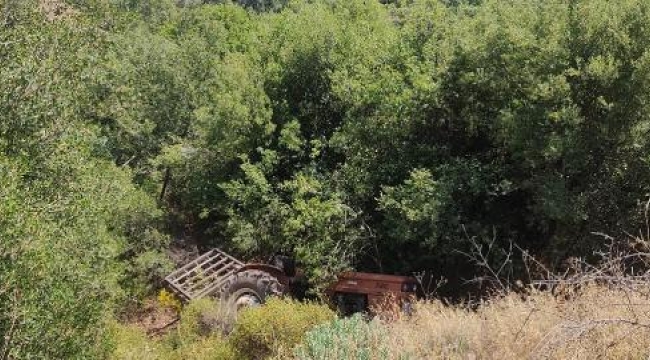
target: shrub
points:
(131, 342)
(214, 347)
(146, 271)
(352, 338)
(200, 318)
(276, 327)
(195, 337)
(168, 300)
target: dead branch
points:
(480, 256)
(428, 284)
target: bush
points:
(168, 300)
(214, 347)
(352, 338)
(132, 342)
(276, 327)
(196, 337)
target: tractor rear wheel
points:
(251, 288)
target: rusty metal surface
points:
(370, 283)
(376, 290)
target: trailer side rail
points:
(203, 276)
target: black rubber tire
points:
(251, 282)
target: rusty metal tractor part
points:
(219, 275)
(368, 292)
(238, 285)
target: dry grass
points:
(600, 324)
(56, 9)
(588, 312)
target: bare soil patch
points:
(154, 319)
(56, 9)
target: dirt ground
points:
(154, 319)
(55, 9)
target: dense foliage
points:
(380, 135)
(67, 212)
(387, 135)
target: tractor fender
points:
(271, 270)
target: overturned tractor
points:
(218, 274)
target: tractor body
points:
(372, 293)
(218, 274)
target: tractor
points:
(218, 274)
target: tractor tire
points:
(251, 288)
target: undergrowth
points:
(598, 321)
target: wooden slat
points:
(200, 266)
(188, 268)
(224, 274)
(189, 265)
(211, 289)
(193, 281)
(193, 263)
(184, 293)
(230, 257)
(218, 277)
(211, 276)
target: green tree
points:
(73, 224)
